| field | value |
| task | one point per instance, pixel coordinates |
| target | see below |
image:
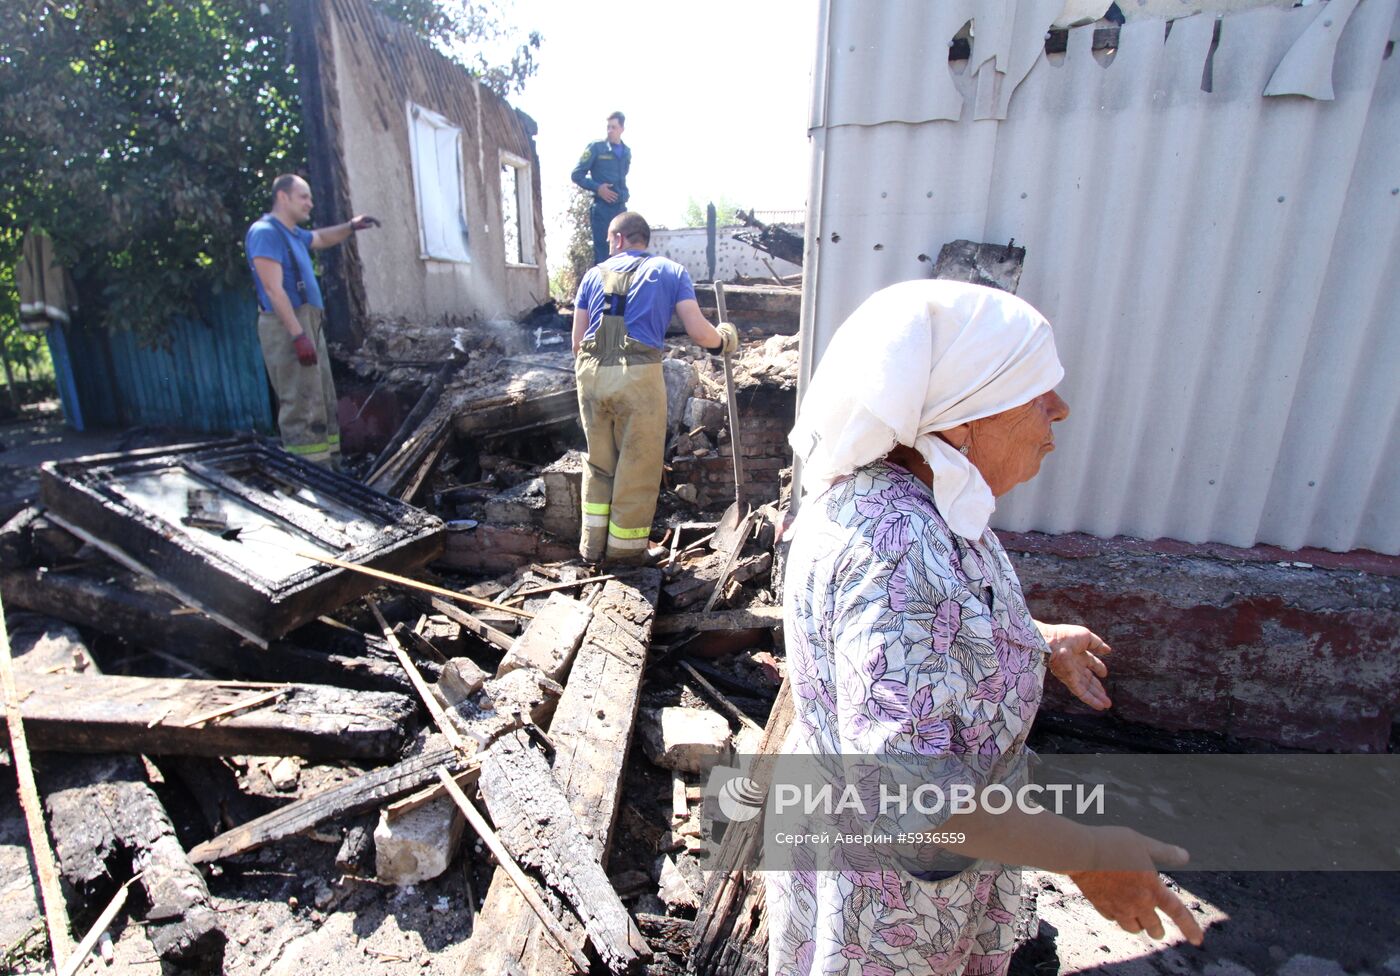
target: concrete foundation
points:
(1295, 649)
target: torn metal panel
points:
(1307, 67)
(231, 527)
(1217, 265)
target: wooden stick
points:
(440, 718)
(480, 628)
(233, 707)
(55, 910)
(423, 797)
(723, 702)
(522, 594)
(513, 871)
(79, 956)
(414, 584)
(752, 618)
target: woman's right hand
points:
(1132, 893)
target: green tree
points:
(142, 135)
(578, 256)
(465, 29)
(724, 212)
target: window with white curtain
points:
(436, 148)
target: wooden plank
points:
(117, 713)
(478, 627)
(79, 956)
(517, 877)
(425, 694)
(359, 795)
(592, 730)
(55, 909)
(108, 822)
(415, 584)
(752, 618)
(521, 595)
(122, 604)
(731, 929)
(720, 699)
(534, 822)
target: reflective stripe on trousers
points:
(623, 409)
(306, 398)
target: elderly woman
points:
(908, 634)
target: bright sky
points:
(715, 94)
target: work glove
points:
(306, 352)
(729, 337)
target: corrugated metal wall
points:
(1220, 266)
(209, 378)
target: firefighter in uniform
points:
(620, 316)
(602, 171)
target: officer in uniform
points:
(602, 171)
(620, 316)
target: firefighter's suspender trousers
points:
(622, 402)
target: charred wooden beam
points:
(121, 604)
(591, 731)
(174, 716)
(731, 929)
(751, 619)
(535, 823)
(108, 825)
(360, 795)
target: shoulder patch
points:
(587, 154)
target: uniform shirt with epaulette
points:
(602, 162)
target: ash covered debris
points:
(503, 632)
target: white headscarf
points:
(920, 357)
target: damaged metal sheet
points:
(1307, 67)
(230, 527)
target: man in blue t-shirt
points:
(620, 318)
(290, 323)
(602, 171)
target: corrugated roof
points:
(1219, 265)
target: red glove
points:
(306, 352)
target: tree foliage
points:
(578, 257)
(465, 30)
(724, 212)
(143, 135)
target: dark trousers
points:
(600, 214)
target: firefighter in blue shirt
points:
(620, 317)
(602, 171)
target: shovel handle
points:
(734, 447)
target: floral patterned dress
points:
(903, 639)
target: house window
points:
(517, 210)
(436, 148)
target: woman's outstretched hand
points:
(1074, 660)
(1132, 898)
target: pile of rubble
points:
(300, 705)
